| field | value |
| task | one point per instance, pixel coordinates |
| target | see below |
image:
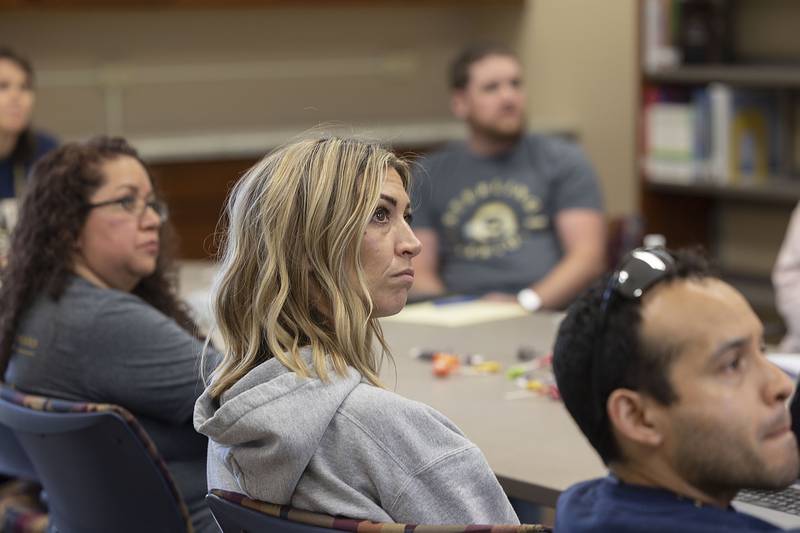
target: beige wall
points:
(180, 71)
(150, 72)
(580, 63)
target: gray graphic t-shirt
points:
(495, 215)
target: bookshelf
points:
(698, 196)
(777, 191)
(770, 76)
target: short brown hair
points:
(459, 68)
(24, 148)
(21, 61)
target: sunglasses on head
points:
(639, 270)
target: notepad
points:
(457, 314)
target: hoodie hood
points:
(271, 420)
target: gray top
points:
(345, 448)
(494, 216)
(109, 346)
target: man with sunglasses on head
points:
(662, 367)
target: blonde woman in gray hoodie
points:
(318, 248)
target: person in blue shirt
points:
(662, 367)
(20, 145)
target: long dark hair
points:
(25, 148)
(51, 217)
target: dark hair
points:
(25, 148)
(597, 352)
(52, 215)
(459, 68)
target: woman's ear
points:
(632, 416)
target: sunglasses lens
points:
(642, 269)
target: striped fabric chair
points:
(21, 510)
(98, 466)
(236, 513)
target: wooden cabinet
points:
(195, 192)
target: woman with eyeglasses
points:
(89, 311)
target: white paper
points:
(457, 314)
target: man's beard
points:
(709, 460)
(497, 135)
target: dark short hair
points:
(459, 68)
(22, 62)
(25, 147)
(598, 351)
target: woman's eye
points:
(381, 215)
(128, 203)
(733, 364)
(409, 218)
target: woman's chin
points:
(14, 126)
(382, 310)
(145, 269)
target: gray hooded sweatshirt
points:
(345, 448)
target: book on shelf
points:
(658, 44)
(669, 143)
(715, 134)
(680, 32)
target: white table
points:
(532, 444)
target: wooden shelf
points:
(783, 76)
(730, 220)
(775, 191)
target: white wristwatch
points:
(529, 300)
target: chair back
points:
(98, 467)
(14, 462)
(236, 513)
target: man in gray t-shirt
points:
(513, 216)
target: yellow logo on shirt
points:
(25, 345)
(494, 226)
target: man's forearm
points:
(570, 276)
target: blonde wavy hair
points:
(291, 274)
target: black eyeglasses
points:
(640, 269)
(136, 206)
